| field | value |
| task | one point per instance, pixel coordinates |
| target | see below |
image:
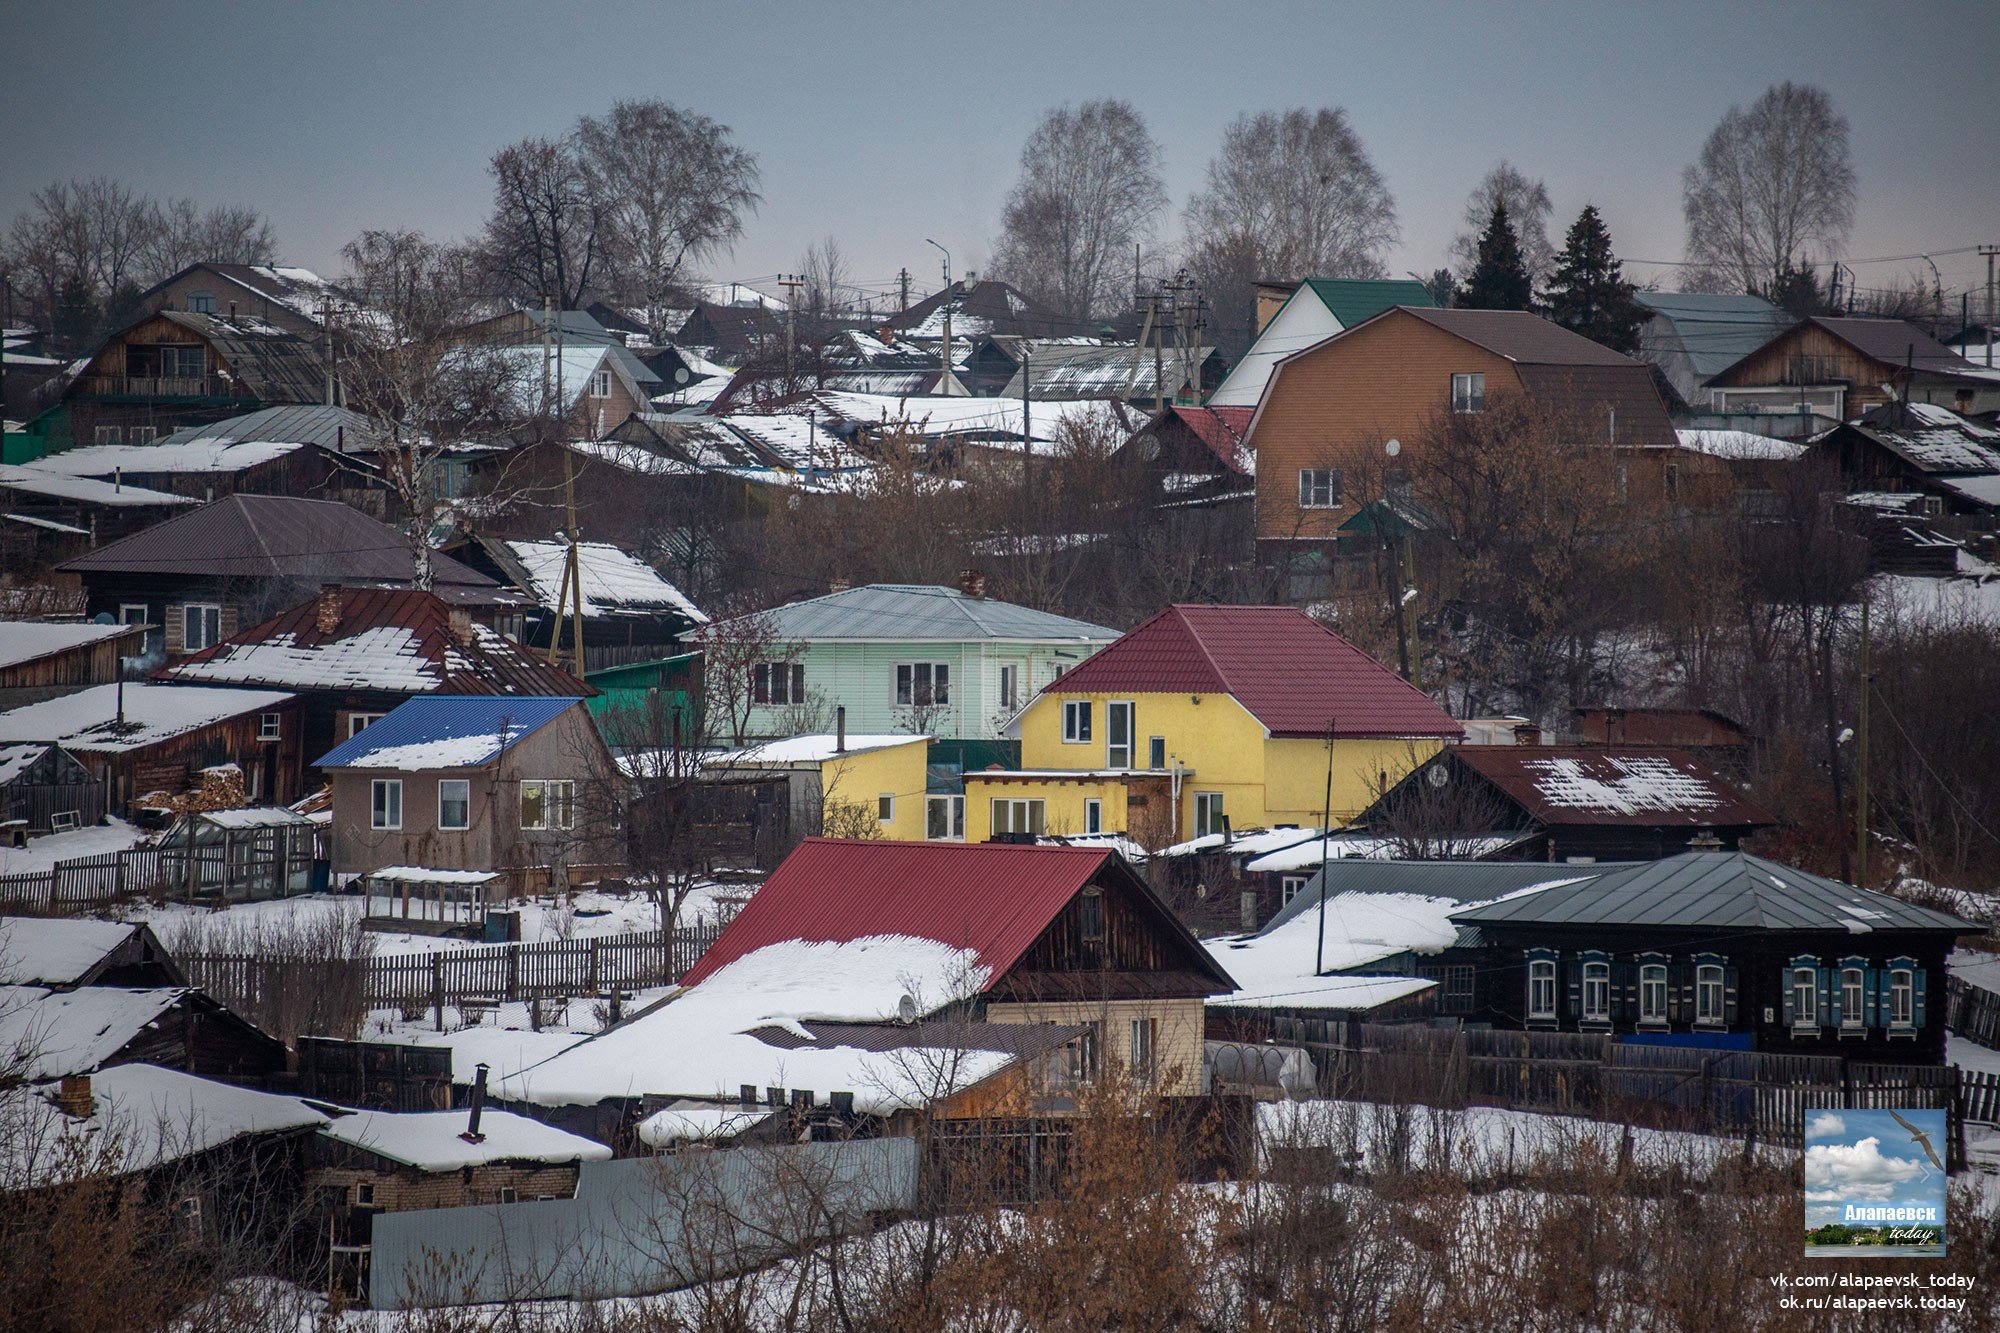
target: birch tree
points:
(1528, 209)
(547, 233)
(1089, 189)
(1773, 185)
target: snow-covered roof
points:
(1982, 489)
(87, 720)
(1251, 842)
(700, 1123)
(55, 951)
(144, 1117)
(810, 749)
(433, 1140)
(947, 416)
(1740, 446)
(447, 731)
(614, 582)
(424, 875)
(84, 490)
(17, 759)
(700, 1043)
(26, 640)
(201, 455)
(256, 816)
(53, 1033)
(1307, 855)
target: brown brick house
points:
(1320, 432)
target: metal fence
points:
(1669, 1087)
(489, 974)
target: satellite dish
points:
(1439, 777)
(1393, 447)
(906, 1009)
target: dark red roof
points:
(1291, 672)
(992, 898)
(1621, 784)
(1222, 429)
(291, 651)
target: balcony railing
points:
(156, 386)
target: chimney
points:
(74, 1098)
(472, 1134)
(834, 585)
(328, 618)
(232, 310)
(459, 621)
(972, 582)
(840, 729)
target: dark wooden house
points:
(1836, 369)
(45, 789)
(1571, 802)
(40, 660)
(1716, 949)
(1948, 463)
(1192, 456)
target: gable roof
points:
(270, 364)
(924, 613)
(1224, 430)
(987, 305)
(298, 290)
(1287, 670)
(991, 899)
(388, 640)
(1523, 337)
(340, 429)
(1354, 300)
(613, 581)
(1715, 330)
(1890, 342)
(72, 951)
(1716, 890)
(273, 536)
(1930, 438)
(447, 731)
(1635, 785)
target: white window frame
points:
(464, 786)
(1710, 995)
(1902, 999)
(1291, 886)
(109, 435)
(1319, 488)
(1156, 753)
(545, 788)
(1209, 811)
(1116, 755)
(360, 722)
(1804, 982)
(270, 726)
(141, 434)
(1145, 1040)
(1076, 722)
(125, 610)
(383, 793)
(1653, 994)
(885, 807)
(1029, 813)
(954, 817)
(1093, 815)
(1009, 686)
(1542, 989)
(1853, 999)
(1468, 392)
(600, 384)
(1597, 992)
(940, 692)
(205, 611)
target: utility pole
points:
(1159, 354)
(1861, 763)
(548, 333)
(1325, 851)
(791, 282)
(903, 291)
(946, 380)
(1992, 304)
(1027, 425)
(326, 342)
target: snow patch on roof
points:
(87, 720)
(54, 1033)
(54, 952)
(432, 1140)
(614, 581)
(1645, 783)
(203, 455)
(26, 640)
(700, 1123)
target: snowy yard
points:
(41, 854)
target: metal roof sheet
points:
(1353, 300)
(273, 365)
(1715, 890)
(1713, 329)
(1523, 337)
(499, 722)
(1292, 673)
(1469, 882)
(991, 898)
(921, 612)
(1562, 785)
(336, 428)
(272, 536)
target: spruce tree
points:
(1587, 291)
(1499, 280)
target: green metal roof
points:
(1353, 300)
(1713, 891)
(635, 672)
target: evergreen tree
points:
(1499, 280)
(1587, 291)
(1796, 291)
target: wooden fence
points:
(488, 974)
(1972, 1012)
(39, 804)
(231, 870)
(84, 883)
(1668, 1087)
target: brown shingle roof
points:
(1563, 785)
(1523, 338)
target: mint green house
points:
(910, 658)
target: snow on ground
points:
(41, 854)
(1938, 602)
(1970, 1055)
(1975, 968)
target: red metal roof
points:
(1636, 785)
(992, 898)
(1222, 429)
(1291, 672)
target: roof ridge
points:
(1202, 644)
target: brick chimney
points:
(458, 621)
(328, 617)
(972, 582)
(74, 1099)
(837, 585)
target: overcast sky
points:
(885, 123)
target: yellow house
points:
(843, 786)
(1206, 714)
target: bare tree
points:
(1774, 183)
(1528, 209)
(825, 270)
(547, 233)
(1291, 194)
(1089, 188)
(421, 394)
(670, 187)
(733, 648)
(81, 240)
(226, 234)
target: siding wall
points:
(1179, 1039)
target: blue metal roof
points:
(448, 726)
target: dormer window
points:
(201, 303)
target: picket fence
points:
(489, 974)
(84, 883)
